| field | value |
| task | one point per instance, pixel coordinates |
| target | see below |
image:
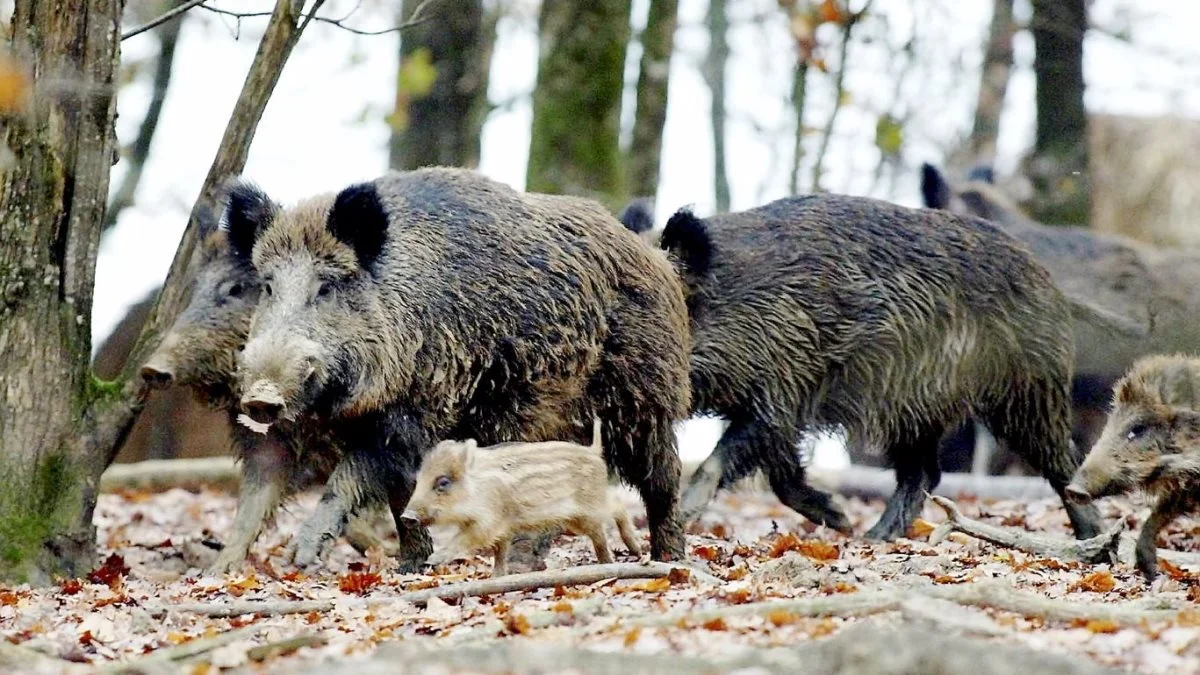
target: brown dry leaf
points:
(176, 638)
(1098, 625)
(831, 12)
(70, 586)
(312, 617)
(358, 582)
(1174, 571)
(678, 576)
(720, 531)
(714, 624)
(844, 587)
(1189, 618)
(648, 586)
(563, 608)
(1096, 582)
(920, 529)
(110, 573)
(1194, 593)
(707, 553)
(825, 627)
(86, 638)
(781, 618)
(784, 543)
(947, 579)
(632, 636)
(737, 573)
(8, 598)
(516, 624)
(810, 548)
(738, 596)
(239, 587)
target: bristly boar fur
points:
(1151, 442)
(440, 304)
(198, 352)
(889, 322)
(492, 493)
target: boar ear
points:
(358, 220)
(638, 216)
(934, 188)
(688, 238)
(248, 211)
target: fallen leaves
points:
(8, 598)
(358, 583)
(648, 586)
(111, 573)
(1096, 582)
(715, 624)
(1097, 625)
(810, 548)
(920, 529)
(241, 586)
(780, 618)
(70, 586)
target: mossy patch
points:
(31, 511)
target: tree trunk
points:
(1058, 168)
(658, 39)
(442, 126)
(52, 203)
(799, 96)
(714, 73)
(577, 103)
(993, 84)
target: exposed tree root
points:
(1101, 548)
(1125, 553)
(569, 576)
(946, 616)
(159, 474)
(156, 660)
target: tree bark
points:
(714, 74)
(799, 95)
(51, 208)
(442, 127)
(1058, 168)
(577, 103)
(168, 37)
(287, 22)
(658, 40)
(993, 83)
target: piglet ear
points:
(1128, 391)
(468, 452)
(359, 220)
(248, 212)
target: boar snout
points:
(158, 375)
(263, 402)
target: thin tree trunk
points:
(799, 93)
(168, 36)
(658, 40)
(577, 103)
(839, 90)
(51, 209)
(1058, 168)
(993, 83)
(714, 73)
(287, 22)
(442, 127)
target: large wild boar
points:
(1154, 287)
(1151, 442)
(492, 493)
(198, 352)
(892, 323)
(440, 304)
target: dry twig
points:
(161, 474)
(1101, 548)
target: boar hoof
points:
(310, 552)
(226, 563)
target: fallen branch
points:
(849, 604)
(160, 474)
(1126, 553)
(1101, 548)
(284, 647)
(156, 659)
(21, 658)
(568, 576)
(947, 616)
(870, 483)
(999, 595)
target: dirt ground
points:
(760, 551)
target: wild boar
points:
(892, 323)
(438, 303)
(198, 353)
(492, 493)
(1151, 442)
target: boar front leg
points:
(267, 467)
(1146, 553)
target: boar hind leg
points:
(1041, 438)
(267, 467)
(647, 460)
(733, 459)
(1146, 553)
(917, 472)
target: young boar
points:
(1151, 442)
(440, 304)
(198, 352)
(492, 493)
(892, 323)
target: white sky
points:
(324, 128)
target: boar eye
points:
(442, 483)
(235, 290)
(1135, 432)
(325, 289)
(267, 288)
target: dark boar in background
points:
(440, 304)
(198, 355)
(1151, 442)
(892, 323)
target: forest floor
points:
(783, 584)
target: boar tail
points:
(1083, 310)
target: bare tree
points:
(658, 40)
(1058, 168)
(439, 118)
(714, 75)
(993, 83)
(577, 103)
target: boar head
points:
(317, 329)
(199, 349)
(443, 492)
(1146, 444)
